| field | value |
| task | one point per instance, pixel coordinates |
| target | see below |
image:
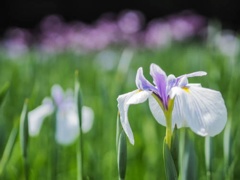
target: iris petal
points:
(57, 93)
(87, 118)
(37, 115)
(156, 111)
(139, 97)
(178, 117)
(204, 110)
(67, 125)
(160, 80)
(194, 74)
(123, 110)
(142, 83)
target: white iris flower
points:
(67, 121)
(174, 101)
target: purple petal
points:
(142, 83)
(57, 94)
(160, 80)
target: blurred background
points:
(43, 43)
(28, 14)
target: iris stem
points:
(168, 116)
(168, 136)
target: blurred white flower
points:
(67, 121)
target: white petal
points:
(87, 118)
(178, 117)
(204, 110)
(157, 111)
(123, 110)
(36, 116)
(67, 125)
(139, 97)
(198, 73)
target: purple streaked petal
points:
(194, 74)
(160, 80)
(142, 83)
(183, 81)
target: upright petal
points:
(204, 110)
(87, 118)
(171, 82)
(160, 80)
(57, 94)
(195, 74)
(142, 83)
(67, 125)
(123, 110)
(36, 116)
(198, 73)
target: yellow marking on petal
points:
(186, 89)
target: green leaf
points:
(175, 148)
(3, 91)
(122, 155)
(170, 168)
(189, 161)
(79, 144)
(23, 130)
(9, 147)
(78, 98)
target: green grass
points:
(32, 75)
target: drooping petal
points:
(139, 97)
(156, 111)
(123, 110)
(67, 125)
(142, 83)
(36, 116)
(160, 80)
(204, 110)
(57, 94)
(87, 118)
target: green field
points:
(32, 75)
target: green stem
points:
(79, 145)
(168, 116)
(79, 157)
(168, 137)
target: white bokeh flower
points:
(67, 121)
